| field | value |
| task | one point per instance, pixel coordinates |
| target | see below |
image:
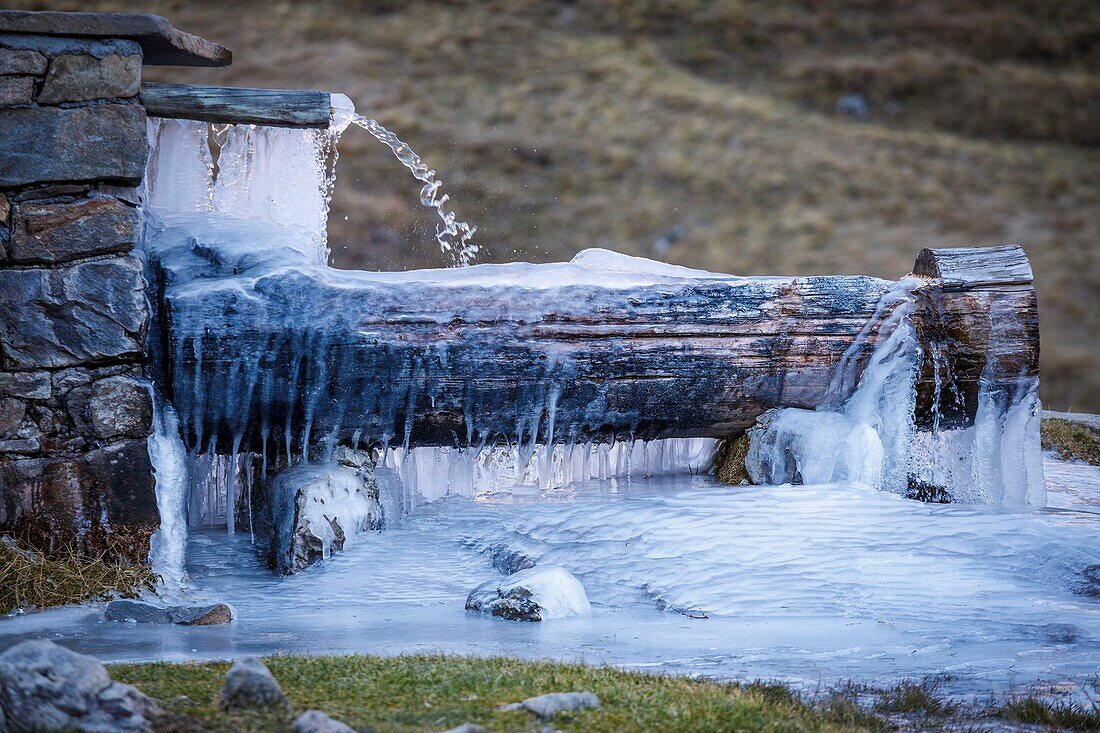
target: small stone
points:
(27, 385)
(554, 703)
(314, 721)
(120, 407)
(11, 416)
(22, 446)
(46, 687)
(82, 77)
(466, 728)
(538, 594)
(250, 684)
(48, 233)
(16, 90)
(146, 613)
(22, 61)
(62, 191)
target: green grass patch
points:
(30, 580)
(419, 693)
(1056, 716)
(1071, 440)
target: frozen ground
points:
(814, 584)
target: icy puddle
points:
(814, 584)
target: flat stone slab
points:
(146, 613)
(47, 144)
(161, 43)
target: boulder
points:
(79, 77)
(314, 721)
(250, 684)
(537, 594)
(146, 613)
(317, 509)
(46, 687)
(554, 703)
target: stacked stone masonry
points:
(75, 411)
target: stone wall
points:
(74, 410)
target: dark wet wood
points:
(237, 105)
(450, 365)
(161, 44)
(977, 320)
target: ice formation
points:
(235, 213)
(865, 430)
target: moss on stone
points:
(729, 463)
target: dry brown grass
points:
(29, 580)
(704, 133)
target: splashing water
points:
(453, 236)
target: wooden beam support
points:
(237, 105)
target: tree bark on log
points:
(297, 355)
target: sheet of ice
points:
(814, 584)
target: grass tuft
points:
(1071, 440)
(29, 580)
(915, 699)
(1059, 716)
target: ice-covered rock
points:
(536, 594)
(147, 613)
(318, 508)
(793, 446)
(46, 687)
(314, 721)
(553, 703)
(250, 684)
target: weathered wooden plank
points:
(978, 323)
(161, 44)
(237, 105)
(973, 267)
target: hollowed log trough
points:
(500, 353)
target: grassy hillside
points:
(708, 133)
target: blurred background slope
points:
(745, 136)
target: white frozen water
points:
(814, 584)
(168, 545)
